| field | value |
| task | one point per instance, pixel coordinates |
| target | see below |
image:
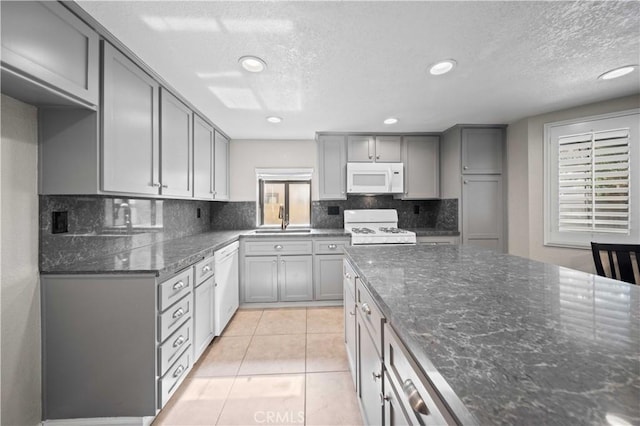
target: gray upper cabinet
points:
(360, 149)
(382, 149)
(332, 163)
(130, 147)
(421, 158)
(203, 163)
(482, 150)
(176, 129)
(387, 149)
(48, 54)
(221, 157)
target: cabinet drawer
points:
(172, 379)
(329, 246)
(349, 278)
(204, 270)
(370, 314)
(169, 351)
(415, 392)
(173, 318)
(175, 288)
(269, 248)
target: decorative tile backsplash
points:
(99, 225)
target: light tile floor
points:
(270, 367)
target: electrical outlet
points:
(333, 210)
(198, 213)
(59, 222)
(416, 209)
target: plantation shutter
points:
(593, 182)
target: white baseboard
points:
(101, 421)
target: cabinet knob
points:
(155, 185)
(278, 247)
(347, 275)
(178, 371)
(465, 182)
(377, 157)
(332, 246)
(178, 285)
(206, 269)
(179, 341)
(165, 186)
(353, 314)
(384, 398)
(376, 375)
(178, 313)
(366, 309)
(465, 168)
(370, 157)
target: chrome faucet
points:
(284, 221)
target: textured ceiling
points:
(346, 66)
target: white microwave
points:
(375, 178)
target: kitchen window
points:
(284, 195)
(592, 177)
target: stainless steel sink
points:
(283, 231)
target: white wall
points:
(532, 200)
(247, 155)
(20, 304)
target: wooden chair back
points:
(621, 261)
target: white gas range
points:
(376, 226)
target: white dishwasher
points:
(227, 291)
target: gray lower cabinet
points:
(332, 167)
(482, 211)
(204, 305)
(350, 319)
(49, 56)
(394, 413)
(176, 129)
(260, 280)
(369, 376)
(114, 345)
(327, 270)
(295, 278)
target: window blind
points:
(593, 182)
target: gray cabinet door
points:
(203, 166)
(421, 158)
(296, 278)
(360, 149)
(482, 150)
(221, 157)
(203, 316)
(332, 164)
(482, 209)
(129, 147)
(388, 149)
(176, 121)
(369, 377)
(327, 269)
(261, 279)
(394, 414)
(350, 331)
(46, 42)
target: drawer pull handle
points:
(332, 246)
(179, 341)
(347, 275)
(366, 309)
(206, 269)
(178, 371)
(178, 285)
(278, 247)
(415, 400)
(375, 375)
(178, 313)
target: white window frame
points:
(629, 119)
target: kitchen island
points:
(506, 340)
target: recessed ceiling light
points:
(391, 120)
(252, 63)
(617, 72)
(442, 67)
(274, 119)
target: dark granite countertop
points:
(508, 340)
(167, 257)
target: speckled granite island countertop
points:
(167, 257)
(515, 341)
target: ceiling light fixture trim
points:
(274, 119)
(252, 63)
(442, 67)
(618, 72)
